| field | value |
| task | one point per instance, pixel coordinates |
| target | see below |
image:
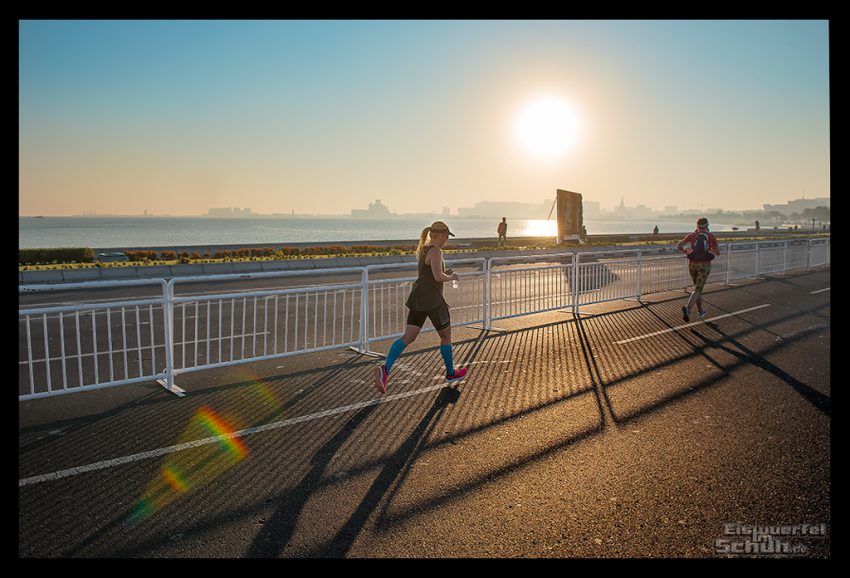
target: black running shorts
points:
(439, 317)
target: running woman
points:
(426, 302)
(703, 248)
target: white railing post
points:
(809, 254)
(785, 256)
(488, 314)
(639, 275)
(168, 315)
(364, 310)
(576, 279)
(728, 262)
(168, 312)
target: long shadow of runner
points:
(813, 396)
(277, 532)
(397, 464)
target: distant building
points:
(376, 210)
(228, 212)
(798, 205)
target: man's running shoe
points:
(458, 374)
(701, 315)
(381, 377)
(685, 315)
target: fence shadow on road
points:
(704, 341)
(603, 368)
(758, 359)
(515, 374)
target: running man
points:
(700, 247)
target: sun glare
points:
(547, 127)
(540, 228)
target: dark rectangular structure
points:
(570, 219)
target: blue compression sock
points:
(395, 350)
(446, 352)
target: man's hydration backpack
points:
(700, 248)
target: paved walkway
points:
(623, 433)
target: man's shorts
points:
(700, 271)
(439, 317)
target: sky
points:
(319, 117)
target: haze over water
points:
(104, 232)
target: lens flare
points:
(268, 396)
(217, 427)
(187, 470)
(173, 478)
(220, 448)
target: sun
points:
(547, 127)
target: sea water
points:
(149, 231)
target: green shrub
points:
(61, 255)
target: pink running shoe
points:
(458, 374)
(381, 377)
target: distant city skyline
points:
(488, 209)
(321, 117)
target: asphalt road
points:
(622, 433)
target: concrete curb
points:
(169, 271)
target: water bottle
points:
(454, 283)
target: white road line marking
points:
(818, 291)
(102, 465)
(689, 324)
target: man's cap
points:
(702, 222)
(440, 227)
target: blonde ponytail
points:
(422, 237)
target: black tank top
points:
(426, 293)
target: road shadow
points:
(277, 532)
(577, 342)
(745, 355)
(389, 479)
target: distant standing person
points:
(655, 230)
(502, 229)
(426, 302)
(703, 248)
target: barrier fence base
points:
(482, 328)
(173, 389)
(366, 352)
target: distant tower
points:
(622, 206)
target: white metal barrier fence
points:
(386, 313)
(85, 346)
(526, 289)
(65, 348)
